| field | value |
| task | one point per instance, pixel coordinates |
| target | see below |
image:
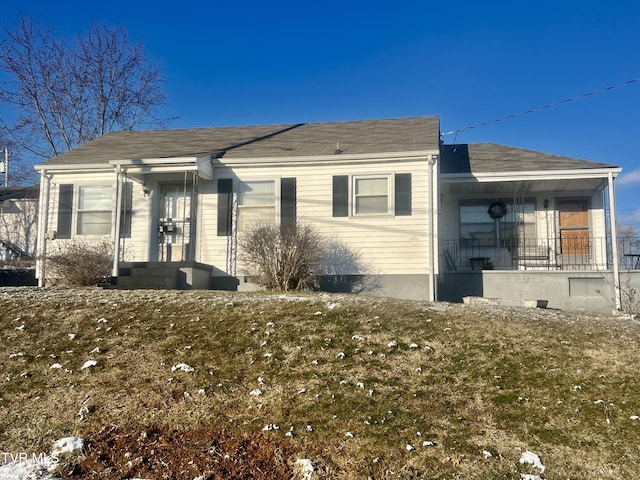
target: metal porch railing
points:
(569, 252)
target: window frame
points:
(241, 209)
(355, 196)
(80, 210)
(517, 222)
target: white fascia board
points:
(74, 167)
(144, 169)
(577, 174)
(202, 165)
(341, 158)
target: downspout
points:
(43, 222)
(614, 242)
(433, 236)
(115, 271)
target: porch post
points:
(43, 224)
(614, 242)
(116, 228)
(433, 237)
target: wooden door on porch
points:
(574, 227)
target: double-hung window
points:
(256, 203)
(371, 195)
(380, 194)
(94, 210)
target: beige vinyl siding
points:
(135, 248)
(387, 244)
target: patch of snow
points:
(88, 364)
(304, 468)
(183, 367)
(67, 445)
(533, 459)
(28, 469)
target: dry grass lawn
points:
(207, 384)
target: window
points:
(256, 203)
(94, 210)
(371, 195)
(478, 228)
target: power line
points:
(544, 107)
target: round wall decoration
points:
(497, 209)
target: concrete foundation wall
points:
(567, 290)
(409, 287)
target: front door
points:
(174, 224)
(574, 227)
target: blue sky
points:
(256, 62)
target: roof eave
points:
(570, 174)
(417, 155)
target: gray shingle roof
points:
(490, 157)
(368, 136)
(19, 193)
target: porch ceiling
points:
(524, 186)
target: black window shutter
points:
(341, 195)
(225, 206)
(125, 214)
(65, 210)
(403, 193)
(288, 203)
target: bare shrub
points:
(81, 263)
(630, 299)
(282, 258)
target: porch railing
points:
(569, 252)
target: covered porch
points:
(515, 214)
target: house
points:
(406, 215)
(18, 216)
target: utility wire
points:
(544, 107)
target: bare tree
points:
(64, 94)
